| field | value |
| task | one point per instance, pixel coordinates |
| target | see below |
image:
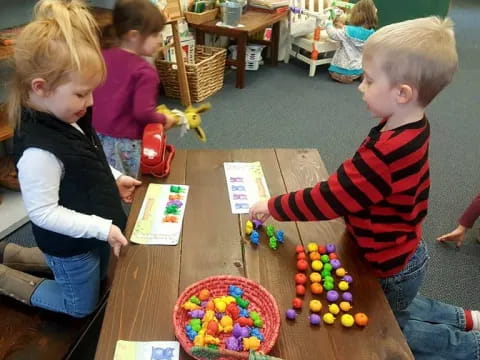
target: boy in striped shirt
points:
(382, 191)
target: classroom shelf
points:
(6, 131)
(13, 212)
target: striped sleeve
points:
(358, 183)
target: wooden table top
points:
(253, 21)
(148, 279)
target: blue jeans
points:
(436, 331)
(401, 289)
(76, 288)
(122, 154)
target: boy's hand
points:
(116, 239)
(126, 187)
(170, 121)
(457, 235)
(259, 211)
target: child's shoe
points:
(17, 284)
(23, 258)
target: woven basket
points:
(200, 18)
(260, 300)
(205, 76)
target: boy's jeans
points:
(436, 331)
(401, 289)
(76, 288)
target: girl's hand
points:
(259, 211)
(126, 187)
(170, 121)
(457, 235)
(116, 239)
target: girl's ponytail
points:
(71, 17)
(62, 38)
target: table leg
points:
(199, 37)
(274, 44)
(241, 53)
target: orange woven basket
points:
(260, 300)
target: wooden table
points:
(253, 22)
(148, 279)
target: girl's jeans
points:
(76, 288)
(122, 154)
(436, 331)
(401, 289)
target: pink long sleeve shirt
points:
(472, 213)
(126, 102)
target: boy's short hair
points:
(419, 52)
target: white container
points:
(253, 56)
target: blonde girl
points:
(346, 65)
(72, 196)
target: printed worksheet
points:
(147, 350)
(160, 219)
(246, 185)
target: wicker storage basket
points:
(260, 300)
(205, 76)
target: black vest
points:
(87, 185)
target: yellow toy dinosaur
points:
(188, 119)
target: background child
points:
(67, 186)
(465, 222)
(382, 192)
(346, 65)
(126, 102)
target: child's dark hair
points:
(140, 15)
(364, 13)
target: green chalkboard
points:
(390, 11)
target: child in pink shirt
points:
(465, 222)
(126, 102)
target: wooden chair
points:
(304, 18)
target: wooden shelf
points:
(13, 212)
(5, 130)
(6, 51)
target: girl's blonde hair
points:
(364, 13)
(420, 52)
(61, 39)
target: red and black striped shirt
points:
(382, 192)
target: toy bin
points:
(260, 300)
(204, 76)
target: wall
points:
(390, 11)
